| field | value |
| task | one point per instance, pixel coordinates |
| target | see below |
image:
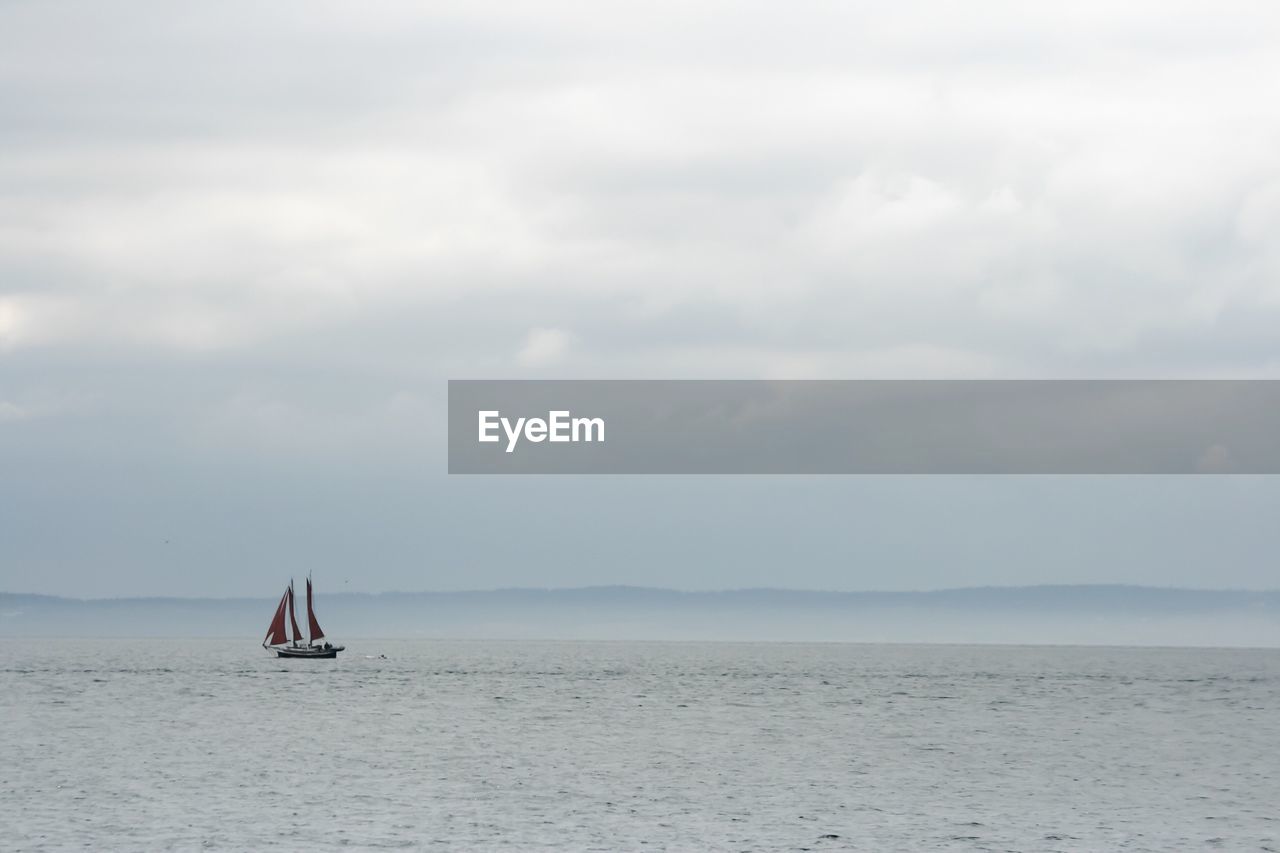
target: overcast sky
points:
(243, 245)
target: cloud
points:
(700, 190)
(239, 232)
(42, 405)
(1054, 194)
(543, 347)
(1216, 460)
(10, 411)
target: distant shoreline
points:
(1091, 615)
(628, 589)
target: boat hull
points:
(331, 652)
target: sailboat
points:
(278, 640)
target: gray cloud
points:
(235, 236)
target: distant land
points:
(1089, 615)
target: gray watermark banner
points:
(864, 427)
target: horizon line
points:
(671, 590)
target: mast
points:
(293, 620)
(275, 632)
(316, 632)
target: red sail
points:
(293, 620)
(316, 632)
(276, 634)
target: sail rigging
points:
(293, 620)
(312, 625)
(276, 633)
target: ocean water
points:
(151, 745)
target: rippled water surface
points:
(127, 744)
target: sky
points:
(244, 245)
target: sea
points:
(433, 745)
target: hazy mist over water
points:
(1073, 615)
(128, 744)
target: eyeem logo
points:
(558, 426)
